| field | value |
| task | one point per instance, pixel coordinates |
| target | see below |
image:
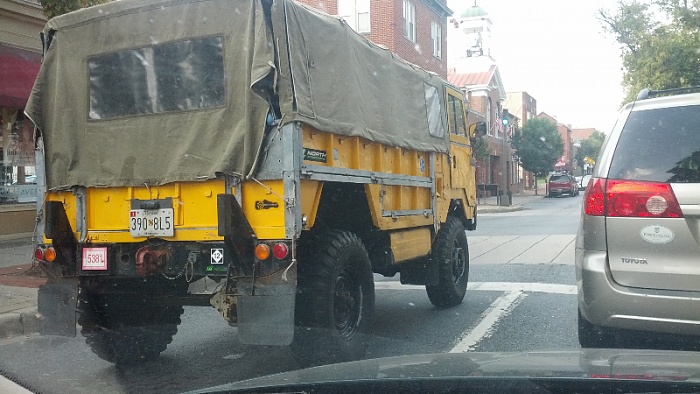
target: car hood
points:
(652, 365)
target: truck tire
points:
(123, 334)
(451, 254)
(335, 299)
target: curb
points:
(496, 209)
(19, 322)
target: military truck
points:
(257, 156)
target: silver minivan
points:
(638, 245)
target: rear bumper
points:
(559, 190)
(605, 303)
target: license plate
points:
(151, 222)
(94, 259)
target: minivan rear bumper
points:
(606, 303)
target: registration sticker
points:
(94, 259)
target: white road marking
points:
(498, 309)
(548, 288)
(513, 294)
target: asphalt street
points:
(521, 297)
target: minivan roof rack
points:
(647, 93)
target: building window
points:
(409, 18)
(436, 33)
(356, 14)
(17, 171)
(488, 117)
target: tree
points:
(539, 146)
(590, 148)
(54, 8)
(658, 42)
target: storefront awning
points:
(18, 70)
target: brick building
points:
(578, 135)
(413, 29)
(524, 106)
(486, 94)
(566, 162)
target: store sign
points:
(17, 193)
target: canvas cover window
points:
(176, 76)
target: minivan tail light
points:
(594, 198)
(641, 199)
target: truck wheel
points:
(122, 334)
(335, 299)
(451, 254)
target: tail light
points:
(262, 252)
(594, 198)
(621, 198)
(50, 254)
(39, 254)
(280, 250)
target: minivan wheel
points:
(592, 336)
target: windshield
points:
(196, 193)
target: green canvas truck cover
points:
(156, 91)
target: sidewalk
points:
(18, 289)
(490, 204)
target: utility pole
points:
(504, 199)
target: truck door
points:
(461, 169)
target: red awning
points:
(17, 75)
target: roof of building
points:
(474, 78)
(560, 125)
(474, 12)
(440, 6)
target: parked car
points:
(561, 183)
(637, 249)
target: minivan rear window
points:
(559, 178)
(659, 145)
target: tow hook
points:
(149, 261)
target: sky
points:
(557, 51)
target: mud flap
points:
(266, 311)
(57, 308)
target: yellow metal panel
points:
(410, 244)
(372, 191)
(317, 140)
(267, 223)
(361, 154)
(310, 198)
(194, 210)
(69, 204)
(123, 236)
